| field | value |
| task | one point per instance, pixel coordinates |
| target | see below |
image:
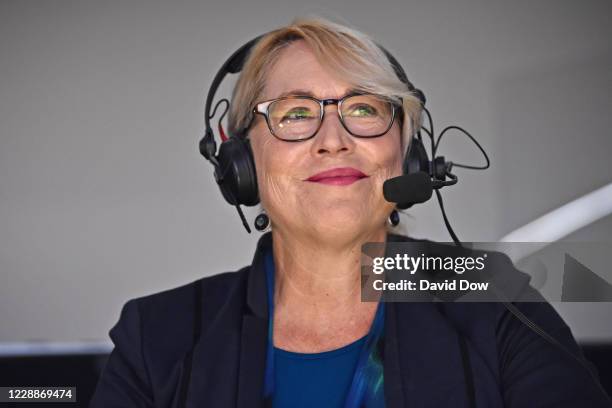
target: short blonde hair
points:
(352, 55)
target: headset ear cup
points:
(251, 190)
(238, 179)
(416, 158)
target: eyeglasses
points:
(298, 118)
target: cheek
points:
(388, 159)
(392, 166)
(274, 177)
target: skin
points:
(318, 229)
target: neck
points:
(317, 275)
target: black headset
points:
(234, 163)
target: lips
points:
(340, 176)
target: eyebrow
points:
(304, 92)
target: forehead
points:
(298, 69)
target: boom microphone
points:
(408, 189)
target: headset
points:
(234, 165)
(234, 172)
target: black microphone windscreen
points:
(408, 189)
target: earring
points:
(262, 222)
(394, 218)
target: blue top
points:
(314, 379)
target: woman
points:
(290, 330)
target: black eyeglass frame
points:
(262, 108)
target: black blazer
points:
(435, 354)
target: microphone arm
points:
(438, 184)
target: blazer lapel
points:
(252, 362)
(422, 361)
(254, 333)
(422, 358)
(229, 359)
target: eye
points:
(298, 113)
(362, 110)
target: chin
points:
(341, 221)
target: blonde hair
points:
(350, 54)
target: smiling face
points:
(295, 190)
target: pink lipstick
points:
(340, 176)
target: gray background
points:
(104, 197)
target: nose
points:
(332, 138)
